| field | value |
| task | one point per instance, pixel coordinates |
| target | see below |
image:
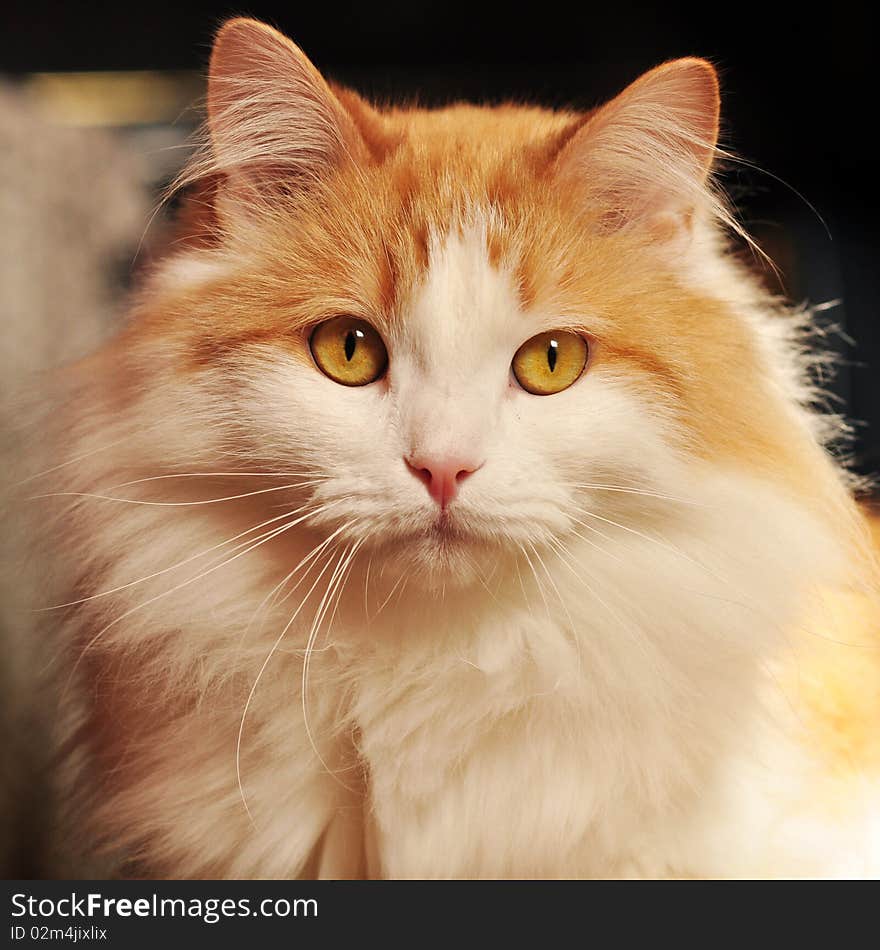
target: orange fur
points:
(833, 679)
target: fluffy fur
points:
(602, 661)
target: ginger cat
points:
(456, 504)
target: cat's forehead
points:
(465, 301)
(464, 247)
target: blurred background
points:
(97, 103)
(98, 100)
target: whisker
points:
(166, 504)
(324, 543)
(594, 593)
(537, 581)
(253, 690)
(646, 537)
(523, 588)
(564, 605)
(593, 544)
(157, 478)
(367, 590)
(188, 560)
(552, 584)
(337, 582)
(79, 458)
(403, 588)
(313, 554)
(745, 602)
(640, 491)
(262, 540)
(390, 595)
(339, 594)
(475, 567)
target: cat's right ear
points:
(646, 156)
(275, 125)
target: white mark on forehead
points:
(465, 306)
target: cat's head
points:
(479, 330)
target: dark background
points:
(799, 86)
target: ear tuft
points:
(648, 153)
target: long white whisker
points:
(595, 594)
(79, 458)
(403, 588)
(348, 565)
(538, 583)
(553, 585)
(336, 581)
(156, 478)
(193, 557)
(322, 545)
(640, 491)
(253, 690)
(367, 590)
(593, 544)
(166, 504)
(391, 593)
(312, 555)
(564, 605)
(646, 537)
(263, 540)
(523, 587)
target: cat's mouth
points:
(444, 526)
(441, 539)
(435, 546)
(450, 530)
(446, 550)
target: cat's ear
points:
(275, 125)
(646, 155)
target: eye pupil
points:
(552, 355)
(350, 344)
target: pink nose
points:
(441, 475)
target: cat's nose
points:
(441, 475)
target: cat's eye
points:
(550, 362)
(349, 351)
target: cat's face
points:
(470, 353)
(446, 458)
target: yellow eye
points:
(550, 362)
(349, 351)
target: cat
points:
(456, 503)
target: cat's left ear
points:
(645, 157)
(275, 123)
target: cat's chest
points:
(502, 761)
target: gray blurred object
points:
(74, 204)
